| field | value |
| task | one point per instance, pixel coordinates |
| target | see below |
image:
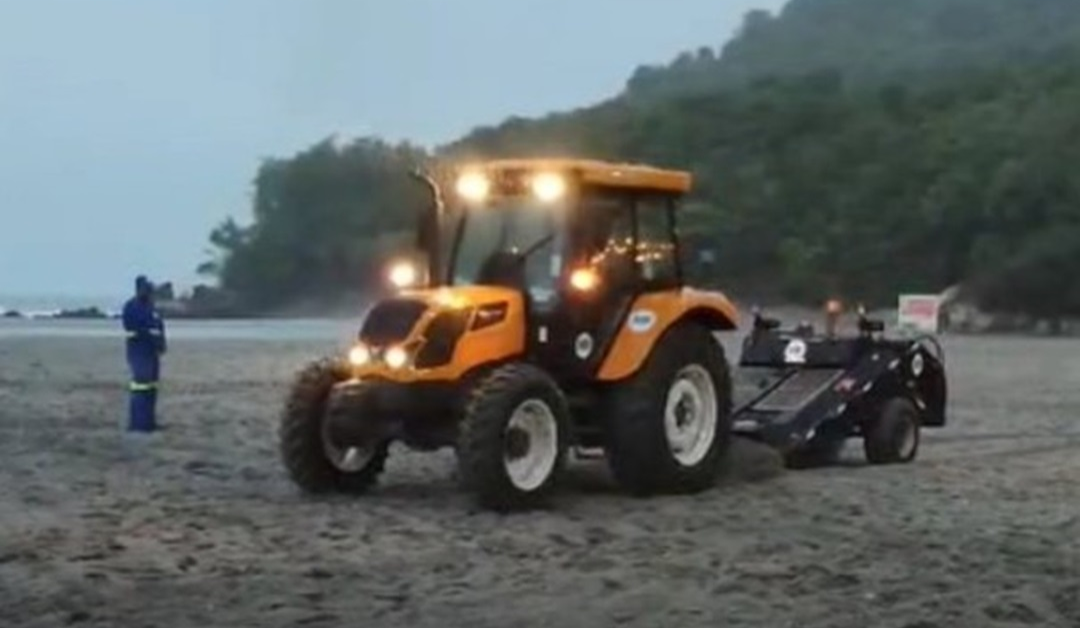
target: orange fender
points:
(653, 314)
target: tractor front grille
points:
(800, 387)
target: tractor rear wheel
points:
(513, 438)
(314, 459)
(893, 438)
(669, 426)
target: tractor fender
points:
(651, 315)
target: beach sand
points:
(198, 525)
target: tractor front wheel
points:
(513, 438)
(316, 460)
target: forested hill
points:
(870, 41)
(851, 147)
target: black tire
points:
(638, 451)
(301, 436)
(823, 451)
(885, 440)
(483, 440)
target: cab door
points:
(628, 240)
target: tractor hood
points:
(439, 333)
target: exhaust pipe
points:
(429, 227)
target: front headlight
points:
(359, 355)
(396, 357)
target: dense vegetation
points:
(873, 41)
(322, 221)
(852, 147)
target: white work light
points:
(548, 186)
(473, 186)
(403, 274)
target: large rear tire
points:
(669, 426)
(314, 461)
(513, 438)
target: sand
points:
(198, 526)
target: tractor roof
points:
(611, 174)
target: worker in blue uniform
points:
(145, 345)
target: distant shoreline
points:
(790, 314)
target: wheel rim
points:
(531, 445)
(690, 415)
(348, 458)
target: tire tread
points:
(300, 437)
(637, 450)
(480, 446)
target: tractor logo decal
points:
(641, 321)
(795, 352)
(583, 346)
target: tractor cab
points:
(569, 246)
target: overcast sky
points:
(129, 128)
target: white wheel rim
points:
(534, 423)
(690, 415)
(346, 459)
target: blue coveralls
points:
(145, 345)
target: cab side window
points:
(609, 240)
(656, 254)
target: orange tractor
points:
(549, 312)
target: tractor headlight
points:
(548, 186)
(396, 357)
(473, 186)
(359, 355)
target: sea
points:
(37, 309)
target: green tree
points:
(852, 148)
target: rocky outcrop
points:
(82, 313)
(204, 302)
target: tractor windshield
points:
(515, 226)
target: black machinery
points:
(826, 388)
